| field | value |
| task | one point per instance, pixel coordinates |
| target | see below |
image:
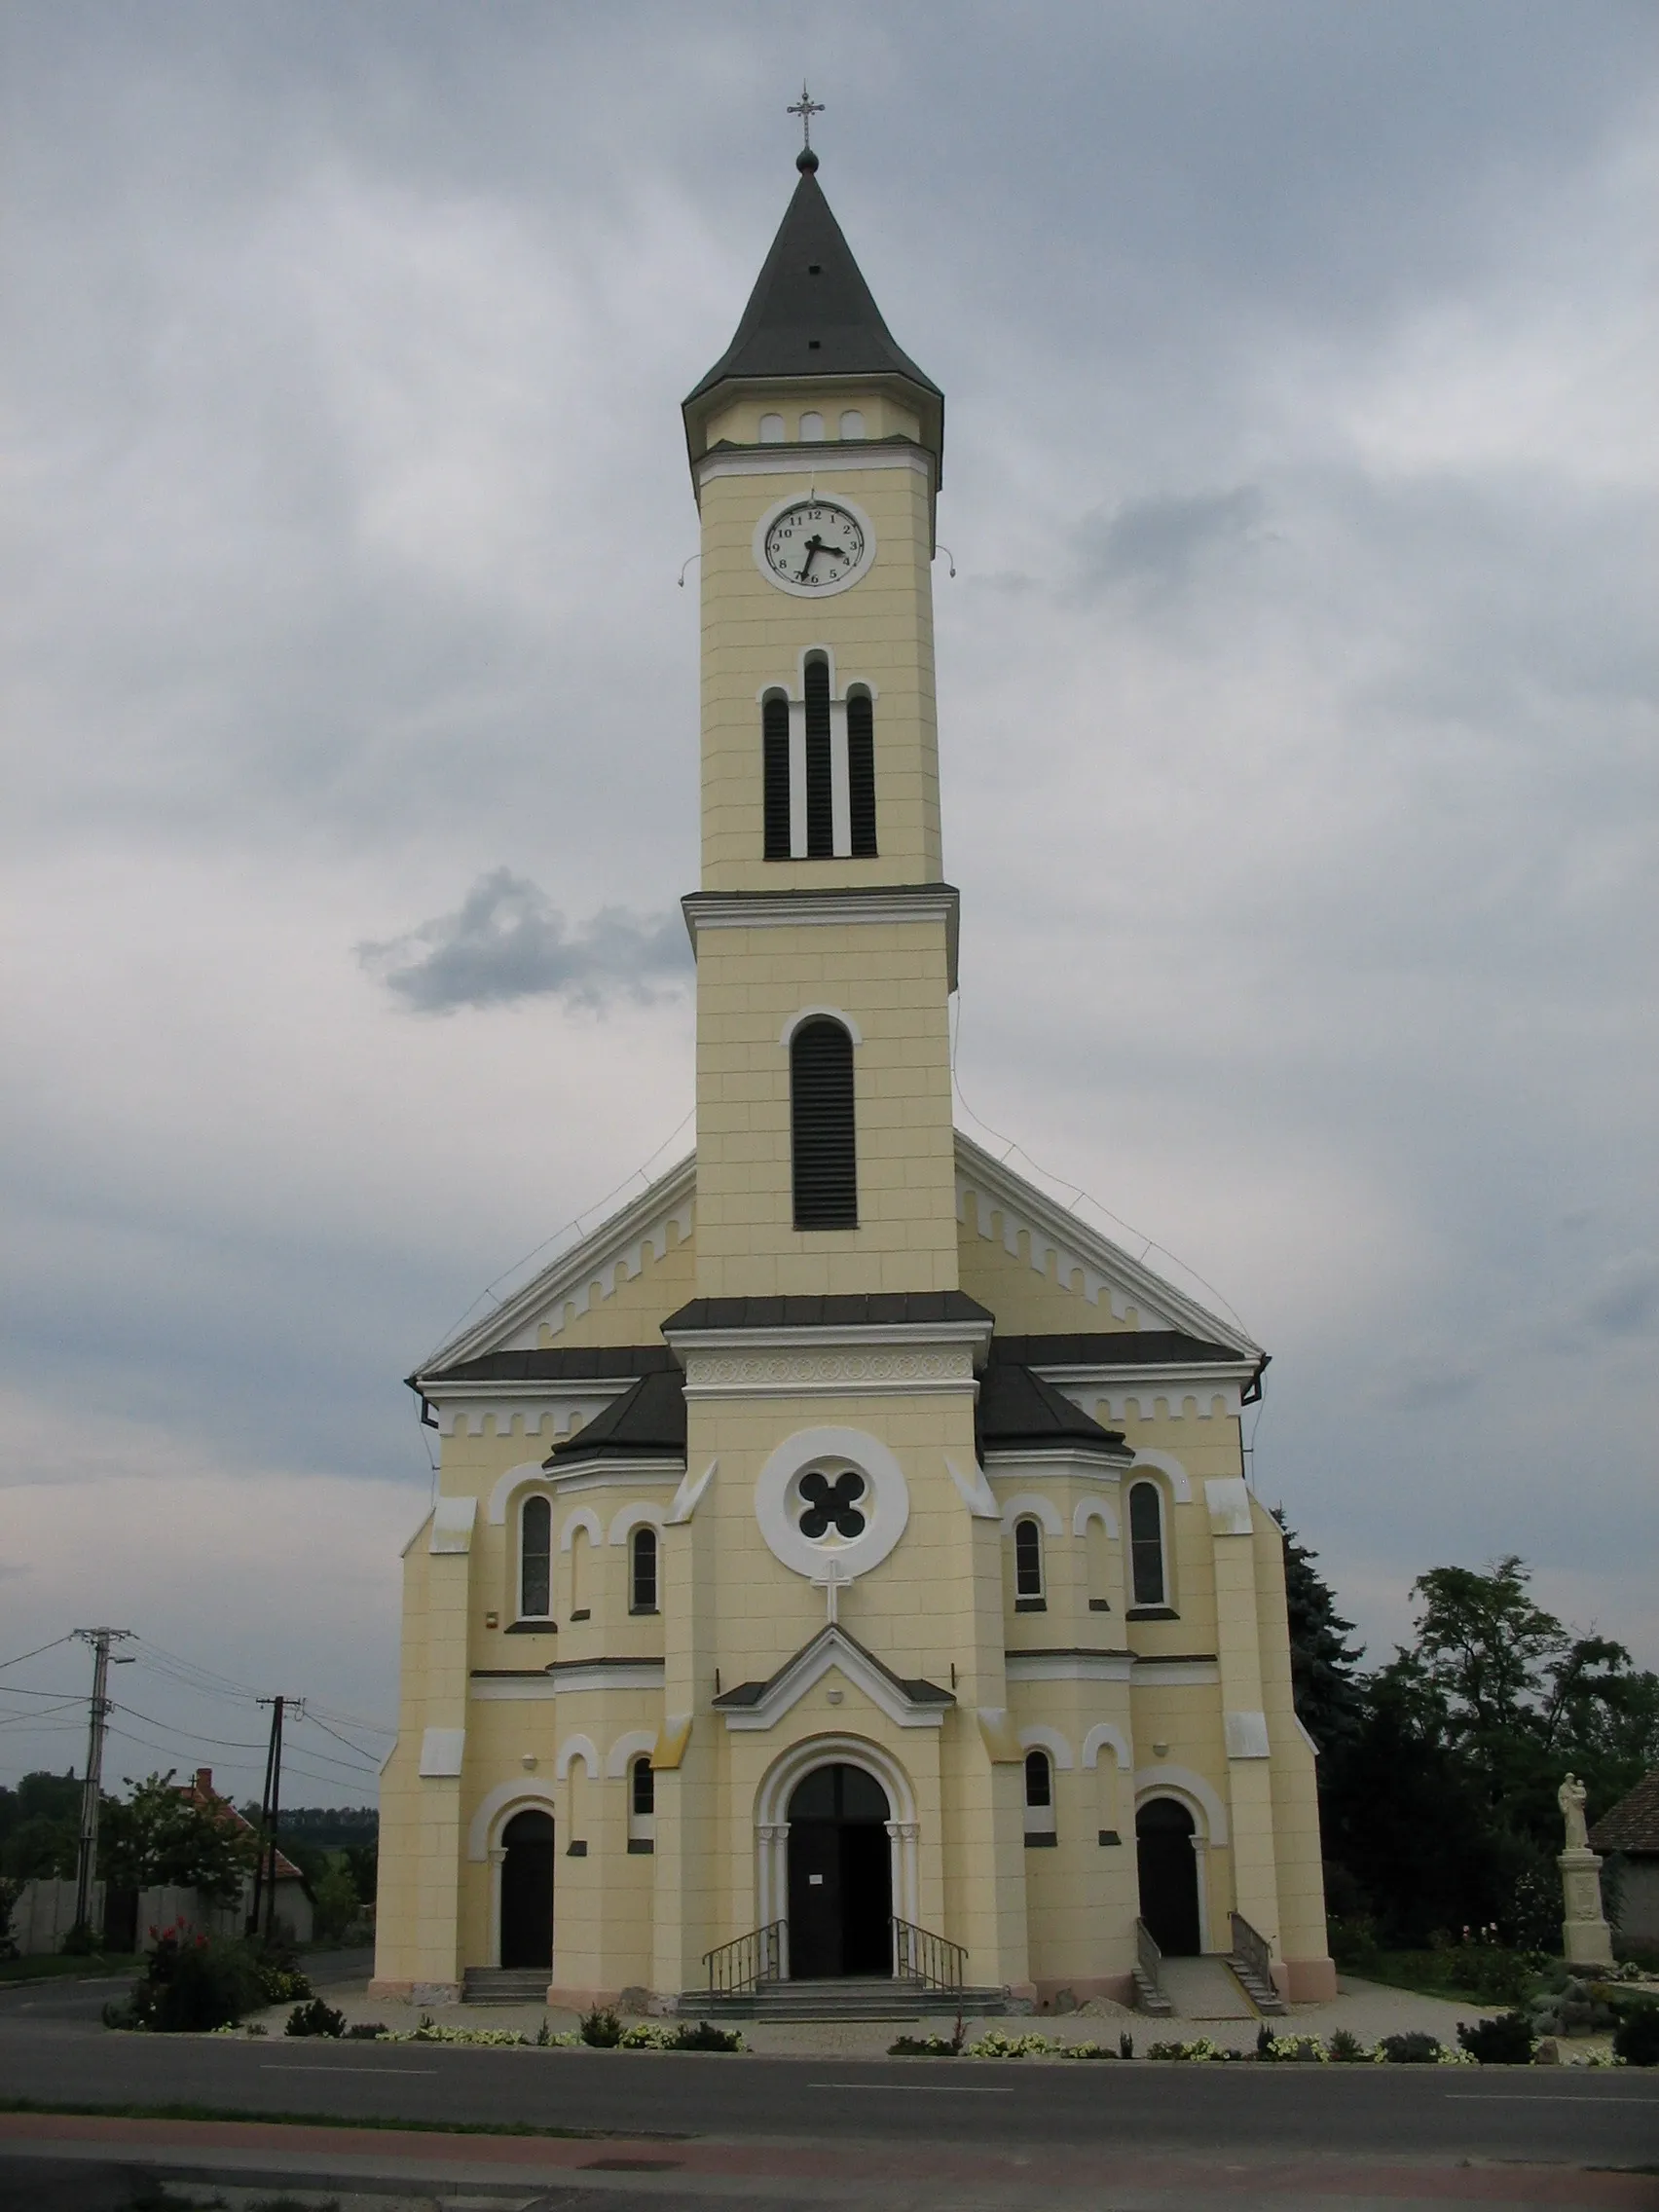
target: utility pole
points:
(87, 1863)
(269, 1814)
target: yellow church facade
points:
(844, 1571)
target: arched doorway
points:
(527, 1890)
(840, 1875)
(1168, 1868)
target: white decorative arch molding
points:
(634, 1516)
(1172, 1471)
(584, 1517)
(515, 1478)
(1104, 1736)
(577, 1747)
(525, 1796)
(772, 1821)
(625, 1751)
(1047, 1740)
(1200, 1797)
(1037, 1508)
(1090, 1509)
(813, 1014)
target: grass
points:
(51, 2105)
(55, 1967)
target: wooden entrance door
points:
(840, 1876)
(527, 1890)
(1169, 1870)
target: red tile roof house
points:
(163, 1907)
(1632, 1830)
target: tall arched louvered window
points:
(1146, 1545)
(535, 1560)
(1028, 1590)
(820, 805)
(775, 774)
(861, 773)
(642, 1572)
(822, 1135)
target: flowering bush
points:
(190, 1982)
(995, 2044)
(1202, 2048)
(1416, 2049)
(1304, 2050)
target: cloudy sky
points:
(1297, 714)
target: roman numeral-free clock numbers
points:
(816, 545)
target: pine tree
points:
(1327, 1694)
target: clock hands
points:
(814, 546)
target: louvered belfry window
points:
(861, 773)
(822, 1133)
(775, 775)
(820, 806)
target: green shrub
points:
(1353, 1940)
(366, 2031)
(1086, 2051)
(994, 2044)
(1413, 2048)
(1292, 2050)
(316, 2019)
(1125, 2045)
(1345, 2048)
(1636, 2038)
(192, 1984)
(282, 1985)
(924, 2047)
(704, 2037)
(78, 1944)
(1198, 2049)
(602, 2030)
(1508, 2041)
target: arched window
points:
(1039, 1799)
(642, 1804)
(811, 426)
(771, 429)
(860, 772)
(851, 422)
(820, 803)
(1146, 1545)
(775, 774)
(822, 1135)
(643, 1575)
(535, 1558)
(1028, 1596)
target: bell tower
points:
(825, 937)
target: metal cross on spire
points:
(806, 107)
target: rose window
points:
(832, 1503)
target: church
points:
(843, 1569)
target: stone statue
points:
(1571, 1798)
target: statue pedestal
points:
(1586, 1939)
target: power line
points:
(34, 1654)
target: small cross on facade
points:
(806, 107)
(832, 1581)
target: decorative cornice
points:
(819, 457)
(1069, 1665)
(568, 1406)
(1057, 1238)
(1119, 1388)
(566, 1678)
(911, 1360)
(893, 902)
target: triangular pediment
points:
(1081, 1266)
(762, 1705)
(579, 1283)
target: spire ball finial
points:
(806, 107)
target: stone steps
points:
(854, 1997)
(505, 1985)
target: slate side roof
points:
(919, 1691)
(571, 1363)
(1018, 1409)
(1114, 1347)
(848, 1309)
(648, 1421)
(1633, 1824)
(811, 314)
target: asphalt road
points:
(52, 2049)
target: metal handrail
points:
(1148, 1954)
(931, 1960)
(1252, 1947)
(747, 1962)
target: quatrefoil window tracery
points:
(831, 1502)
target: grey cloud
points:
(507, 942)
(1626, 1302)
(1160, 540)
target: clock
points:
(814, 548)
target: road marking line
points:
(1539, 2097)
(388, 2072)
(911, 2088)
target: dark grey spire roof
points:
(811, 312)
(648, 1421)
(1017, 1408)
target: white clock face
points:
(815, 546)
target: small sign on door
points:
(815, 1881)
